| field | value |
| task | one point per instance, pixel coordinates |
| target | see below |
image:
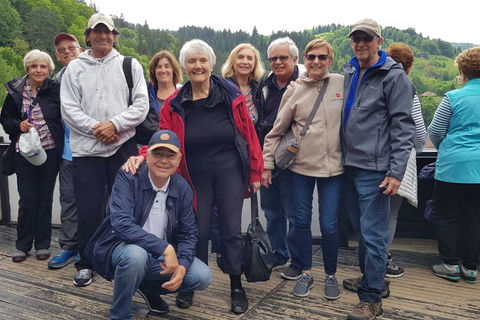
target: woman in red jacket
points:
(222, 158)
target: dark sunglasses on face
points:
(282, 59)
(321, 57)
(366, 39)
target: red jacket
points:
(171, 118)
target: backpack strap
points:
(127, 71)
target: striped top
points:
(439, 126)
(420, 130)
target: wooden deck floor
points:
(29, 290)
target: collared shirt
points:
(158, 217)
(37, 118)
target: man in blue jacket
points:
(377, 137)
(148, 241)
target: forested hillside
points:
(32, 24)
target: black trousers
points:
(225, 188)
(35, 187)
(93, 178)
(456, 216)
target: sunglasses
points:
(367, 39)
(282, 59)
(321, 57)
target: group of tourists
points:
(140, 212)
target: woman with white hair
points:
(33, 101)
(222, 158)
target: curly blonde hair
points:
(468, 62)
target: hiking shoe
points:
(303, 286)
(62, 258)
(331, 288)
(366, 310)
(393, 271)
(470, 276)
(83, 277)
(239, 303)
(184, 299)
(291, 273)
(154, 302)
(352, 284)
(19, 256)
(449, 272)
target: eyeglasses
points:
(282, 59)
(366, 39)
(321, 57)
(70, 48)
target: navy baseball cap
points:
(166, 139)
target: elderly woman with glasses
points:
(33, 102)
(318, 162)
(222, 158)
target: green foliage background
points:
(32, 24)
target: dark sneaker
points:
(470, 276)
(62, 258)
(449, 272)
(279, 265)
(184, 299)
(291, 273)
(83, 277)
(154, 302)
(366, 310)
(393, 271)
(331, 288)
(352, 284)
(303, 286)
(239, 302)
(19, 256)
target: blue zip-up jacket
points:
(130, 204)
(378, 134)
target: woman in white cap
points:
(33, 103)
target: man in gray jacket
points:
(95, 105)
(377, 137)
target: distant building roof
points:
(428, 94)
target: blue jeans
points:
(132, 264)
(277, 202)
(369, 212)
(329, 192)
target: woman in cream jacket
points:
(319, 161)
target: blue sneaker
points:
(62, 258)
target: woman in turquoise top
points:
(455, 132)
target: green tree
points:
(10, 23)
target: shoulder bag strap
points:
(254, 207)
(315, 108)
(127, 71)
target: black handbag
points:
(259, 258)
(8, 160)
(289, 145)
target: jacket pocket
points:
(377, 148)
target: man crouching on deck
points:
(147, 243)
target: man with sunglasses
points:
(67, 49)
(276, 199)
(377, 137)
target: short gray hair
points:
(196, 46)
(35, 56)
(291, 46)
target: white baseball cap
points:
(31, 147)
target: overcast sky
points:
(452, 21)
